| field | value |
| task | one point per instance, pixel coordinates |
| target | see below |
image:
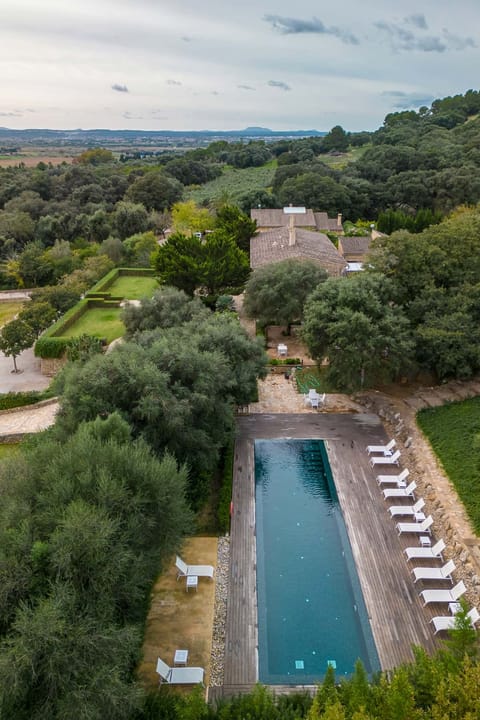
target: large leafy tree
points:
(168, 308)
(155, 190)
(38, 315)
(15, 337)
(130, 218)
(275, 294)
(179, 262)
(237, 224)
(188, 218)
(225, 265)
(356, 325)
(189, 263)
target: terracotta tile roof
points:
(323, 222)
(273, 246)
(354, 245)
(276, 217)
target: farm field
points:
(233, 183)
(338, 162)
(8, 310)
(454, 434)
(133, 288)
(99, 322)
(33, 160)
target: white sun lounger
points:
(179, 675)
(381, 460)
(443, 573)
(419, 527)
(443, 596)
(381, 448)
(448, 623)
(185, 570)
(426, 552)
(395, 510)
(390, 479)
(397, 492)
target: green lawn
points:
(233, 183)
(133, 288)
(454, 433)
(8, 310)
(99, 322)
(7, 450)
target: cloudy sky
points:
(219, 64)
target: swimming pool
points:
(311, 611)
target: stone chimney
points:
(291, 231)
(339, 220)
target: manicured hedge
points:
(225, 495)
(51, 344)
(285, 361)
(19, 399)
(104, 283)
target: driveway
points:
(30, 377)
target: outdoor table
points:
(192, 582)
(180, 657)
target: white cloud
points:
(201, 64)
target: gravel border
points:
(220, 612)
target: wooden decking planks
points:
(241, 634)
(397, 617)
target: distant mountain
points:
(148, 137)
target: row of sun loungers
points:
(388, 455)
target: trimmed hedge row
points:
(103, 296)
(51, 344)
(225, 494)
(19, 399)
(285, 361)
(104, 283)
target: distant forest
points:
(417, 165)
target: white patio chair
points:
(382, 460)
(426, 552)
(381, 448)
(443, 596)
(448, 623)
(405, 492)
(389, 479)
(418, 527)
(199, 570)
(443, 573)
(179, 675)
(396, 510)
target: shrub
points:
(225, 495)
(19, 399)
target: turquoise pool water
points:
(311, 610)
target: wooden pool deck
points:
(397, 617)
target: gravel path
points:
(220, 612)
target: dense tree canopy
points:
(190, 263)
(176, 384)
(275, 294)
(85, 525)
(356, 325)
